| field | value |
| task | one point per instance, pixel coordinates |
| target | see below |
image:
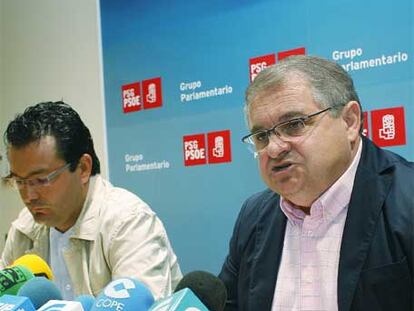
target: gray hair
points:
(330, 84)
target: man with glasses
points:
(335, 229)
(89, 231)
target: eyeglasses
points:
(286, 131)
(19, 183)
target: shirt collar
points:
(332, 201)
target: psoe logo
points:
(118, 289)
(257, 64)
(194, 149)
(218, 148)
(134, 98)
(388, 127)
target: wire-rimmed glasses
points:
(37, 182)
(286, 131)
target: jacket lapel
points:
(269, 244)
(368, 195)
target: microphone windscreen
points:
(40, 290)
(125, 294)
(36, 264)
(207, 287)
(15, 303)
(87, 301)
(13, 278)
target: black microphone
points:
(207, 287)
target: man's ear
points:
(351, 114)
(85, 166)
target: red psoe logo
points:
(151, 91)
(131, 97)
(365, 129)
(388, 127)
(257, 64)
(194, 149)
(219, 149)
(297, 51)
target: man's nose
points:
(28, 193)
(277, 146)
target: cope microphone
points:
(124, 294)
(87, 301)
(36, 264)
(40, 290)
(199, 290)
(13, 278)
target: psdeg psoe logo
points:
(218, 148)
(150, 97)
(257, 64)
(388, 127)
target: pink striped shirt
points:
(308, 272)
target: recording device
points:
(34, 263)
(198, 290)
(207, 287)
(126, 294)
(61, 305)
(13, 278)
(15, 303)
(40, 290)
(182, 300)
(87, 301)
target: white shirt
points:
(59, 243)
(308, 272)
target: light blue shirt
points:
(59, 242)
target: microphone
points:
(40, 290)
(198, 289)
(13, 278)
(182, 300)
(45, 296)
(87, 301)
(15, 303)
(207, 287)
(61, 305)
(36, 264)
(124, 294)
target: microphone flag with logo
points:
(11, 279)
(36, 264)
(61, 305)
(124, 294)
(183, 300)
(15, 303)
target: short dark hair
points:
(331, 85)
(59, 120)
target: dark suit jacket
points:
(376, 255)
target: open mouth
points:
(281, 167)
(39, 210)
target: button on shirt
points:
(308, 273)
(59, 243)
